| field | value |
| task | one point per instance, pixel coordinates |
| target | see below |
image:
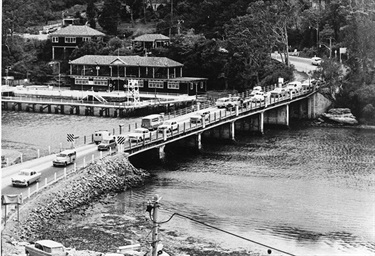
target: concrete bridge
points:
(223, 123)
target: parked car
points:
(222, 102)
(234, 101)
(107, 143)
(278, 92)
(316, 61)
(198, 117)
(294, 86)
(169, 126)
(65, 157)
(257, 88)
(139, 135)
(257, 96)
(306, 84)
(25, 178)
(45, 248)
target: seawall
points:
(111, 174)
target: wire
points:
(222, 230)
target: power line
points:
(222, 230)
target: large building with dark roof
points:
(66, 39)
(153, 74)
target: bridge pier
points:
(199, 141)
(162, 152)
(232, 129)
(311, 107)
(278, 116)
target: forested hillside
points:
(228, 41)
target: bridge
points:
(223, 123)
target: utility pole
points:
(170, 27)
(155, 229)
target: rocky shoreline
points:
(52, 215)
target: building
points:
(153, 74)
(150, 41)
(65, 40)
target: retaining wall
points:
(111, 174)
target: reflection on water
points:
(306, 190)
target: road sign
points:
(70, 137)
(120, 140)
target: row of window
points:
(151, 84)
(69, 40)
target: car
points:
(222, 102)
(257, 88)
(25, 177)
(139, 134)
(198, 117)
(234, 101)
(257, 96)
(107, 143)
(278, 92)
(316, 61)
(306, 84)
(65, 157)
(294, 86)
(169, 126)
(46, 248)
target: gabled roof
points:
(151, 38)
(106, 60)
(73, 30)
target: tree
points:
(110, 16)
(91, 13)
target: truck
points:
(100, 135)
(46, 248)
(152, 122)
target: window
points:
(55, 39)
(85, 39)
(156, 84)
(173, 85)
(70, 40)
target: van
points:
(294, 86)
(100, 135)
(152, 122)
(65, 157)
(198, 117)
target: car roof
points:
(67, 151)
(49, 243)
(316, 58)
(26, 170)
(153, 116)
(141, 129)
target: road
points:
(300, 64)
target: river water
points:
(306, 190)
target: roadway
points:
(299, 63)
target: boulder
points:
(341, 116)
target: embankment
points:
(111, 174)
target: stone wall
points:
(111, 174)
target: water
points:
(306, 190)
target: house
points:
(150, 41)
(65, 40)
(153, 74)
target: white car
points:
(222, 102)
(234, 101)
(25, 178)
(257, 96)
(316, 61)
(139, 134)
(198, 117)
(294, 86)
(306, 84)
(278, 92)
(169, 126)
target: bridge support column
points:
(199, 141)
(50, 109)
(261, 123)
(232, 130)
(287, 115)
(311, 107)
(161, 152)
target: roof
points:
(74, 30)
(188, 79)
(49, 243)
(126, 61)
(151, 38)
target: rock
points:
(340, 115)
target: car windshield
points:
(24, 173)
(61, 155)
(105, 141)
(139, 131)
(167, 123)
